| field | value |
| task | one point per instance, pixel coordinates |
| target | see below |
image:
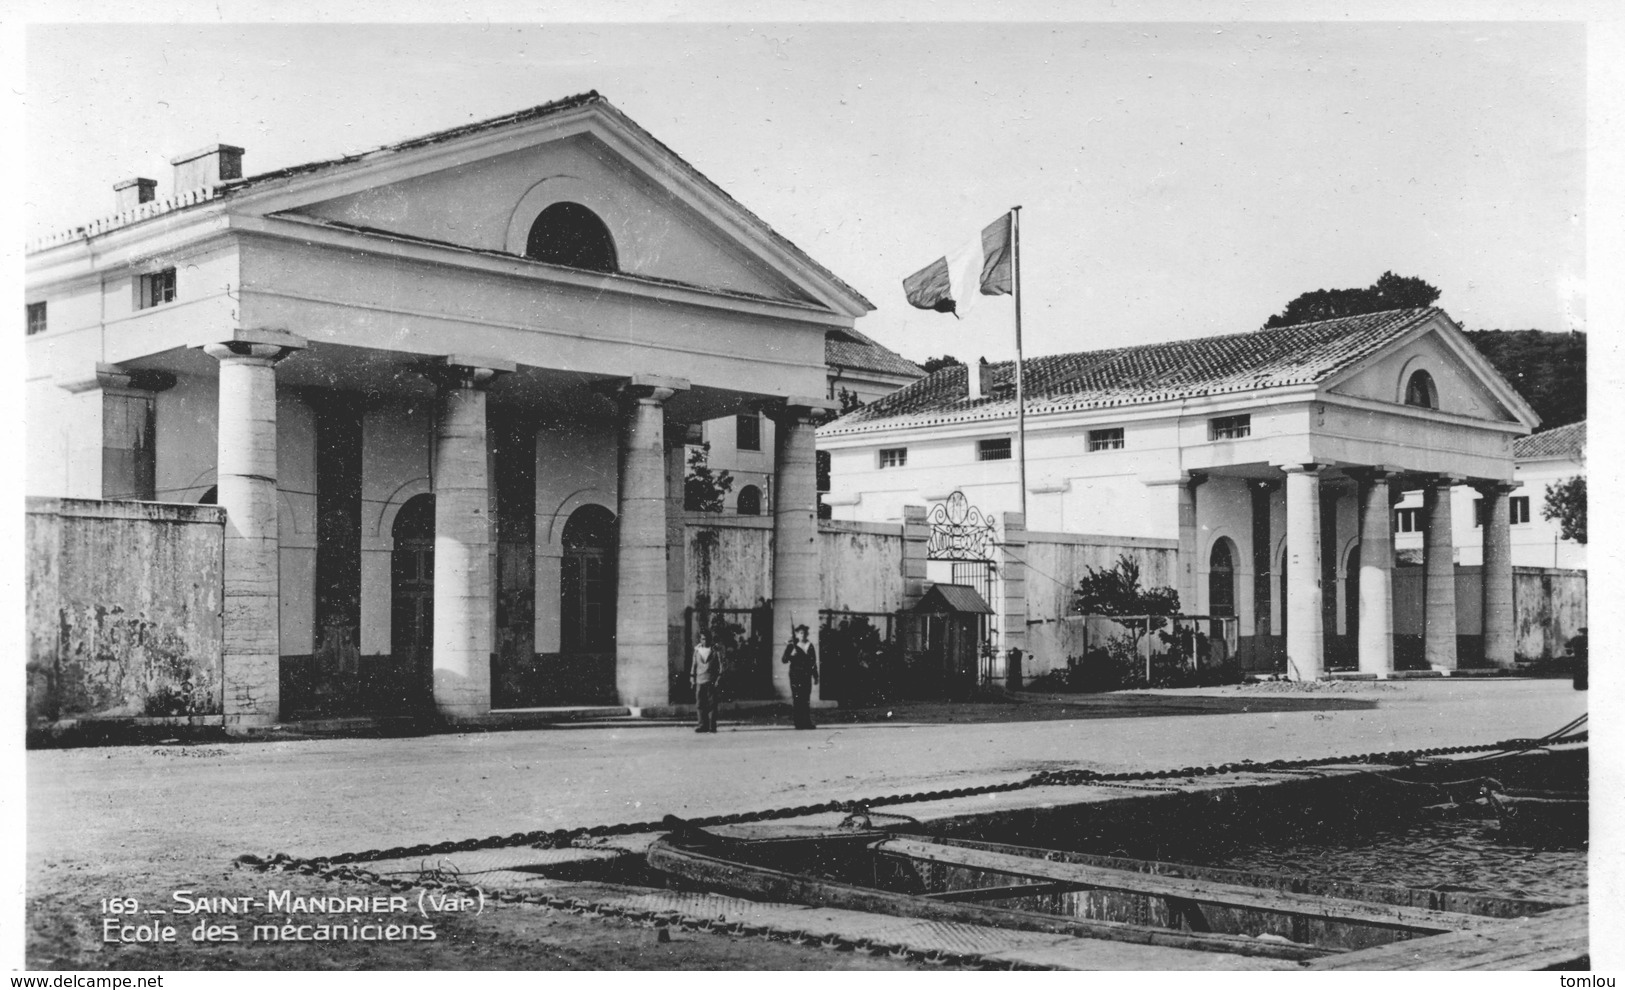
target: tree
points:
(849, 401)
(703, 489)
(933, 365)
(1388, 292)
(1548, 370)
(1118, 592)
(1566, 506)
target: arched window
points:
(569, 234)
(1419, 391)
(1221, 579)
(750, 501)
(210, 497)
(412, 589)
(587, 582)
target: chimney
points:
(207, 167)
(131, 193)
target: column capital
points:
(116, 378)
(1493, 486)
(1367, 473)
(255, 346)
(654, 389)
(1440, 480)
(1308, 467)
(464, 371)
(798, 409)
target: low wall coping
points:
(1099, 540)
(93, 508)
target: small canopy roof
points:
(952, 598)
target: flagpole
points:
(1021, 402)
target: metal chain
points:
(340, 867)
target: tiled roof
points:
(955, 597)
(1263, 359)
(238, 186)
(1562, 441)
(852, 350)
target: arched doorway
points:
(1221, 578)
(412, 604)
(587, 582)
(1351, 608)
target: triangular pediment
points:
(1464, 382)
(482, 190)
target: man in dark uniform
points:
(802, 656)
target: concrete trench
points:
(608, 875)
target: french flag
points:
(952, 284)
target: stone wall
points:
(124, 610)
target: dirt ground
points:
(145, 821)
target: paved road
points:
(97, 808)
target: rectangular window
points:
(1230, 427)
(1408, 520)
(993, 450)
(1517, 510)
(748, 433)
(1106, 439)
(891, 457)
(36, 318)
(156, 289)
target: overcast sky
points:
(1177, 179)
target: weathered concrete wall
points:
(862, 565)
(124, 609)
(1548, 604)
(730, 563)
(1055, 564)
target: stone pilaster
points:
(1190, 543)
(246, 473)
(642, 607)
(1499, 642)
(1013, 576)
(916, 534)
(797, 590)
(463, 577)
(1375, 637)
(1305, 643)
(1439, 574)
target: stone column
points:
(247, 490)
(463, 585)
(916, 534)
(642, 657)
(1376, 580)
(1497, 573)
(677, 439)
(1439, 574)
(1305, 642)
(1190, 543)
(797, 589)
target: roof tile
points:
(1274, 358)
(1561, 441)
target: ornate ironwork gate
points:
(967, 539)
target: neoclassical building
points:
(1274, 458)
(441, 390)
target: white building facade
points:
(442, 391)
(1275, 458)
